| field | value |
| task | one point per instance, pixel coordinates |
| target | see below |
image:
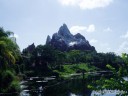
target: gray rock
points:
(48, 40)
(63, 40)
(30, 48)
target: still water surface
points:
(37, 86)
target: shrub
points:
(8, 82)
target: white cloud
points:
(69, 2)
(86, 4)
(16, 36)
(72, 43)
(93, 41)
(123, 48)
(79, 29)
(91, 28)
(125, 36)
(108, 29)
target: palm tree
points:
(9, 50)
(9, 53)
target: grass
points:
(74, 68)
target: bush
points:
(6, 78)
(14, 87)
(8, 82)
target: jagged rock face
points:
(63, 40)
(30, 48)
(48, 40)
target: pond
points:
(50, 86)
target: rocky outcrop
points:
(48, 40)
(63, 40)
(30, 48)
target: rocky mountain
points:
(30, 48)
(63, 40)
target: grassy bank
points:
(66, 70)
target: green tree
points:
(116, 81)
(9, 54)
(9, 50)
(60, 58)
(74, 56)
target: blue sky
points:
(104, 23)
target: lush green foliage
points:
(8, 82)
(117, 81)
(9, 50)
(9, 54)
(44, 59)
(70, 69)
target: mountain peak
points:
(64, 26)
(48, 40)
(64, 40)
(63, 30)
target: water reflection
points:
(51, 87)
